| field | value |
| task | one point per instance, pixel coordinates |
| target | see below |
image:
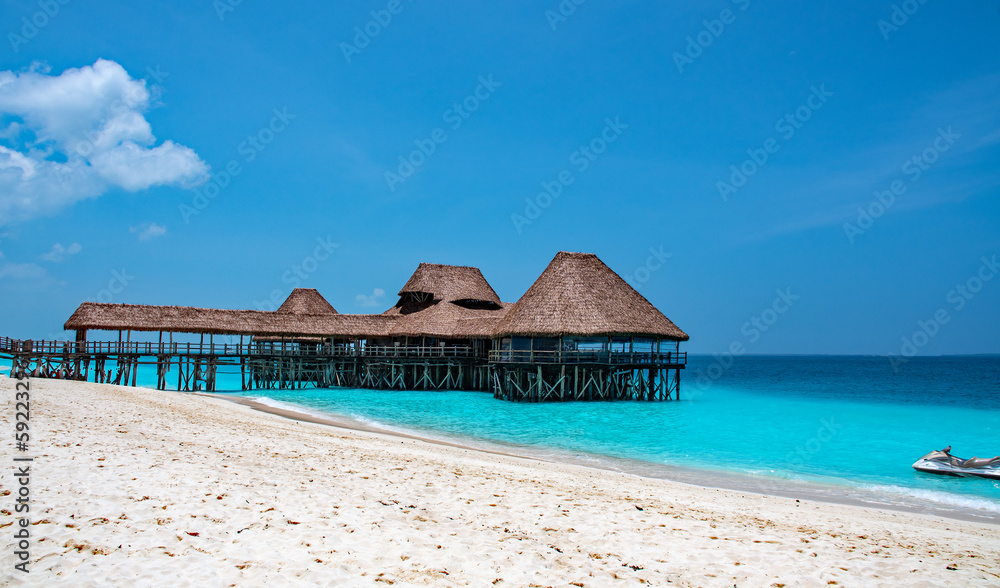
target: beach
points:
(131, 486)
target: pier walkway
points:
(529, 375)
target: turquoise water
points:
(851, 423)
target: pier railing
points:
(10, 346)
(420, 351)
(583, 356)
(320, 350)
(33, 347)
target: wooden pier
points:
(524, 376)
(579, 333)
(538, 376)
(261, 366)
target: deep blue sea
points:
(820, 426)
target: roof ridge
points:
(306, 301)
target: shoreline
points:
(130, 485)
(700, 478)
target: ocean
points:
(825, 427)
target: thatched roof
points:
(143, 317)
(578, 295)
(446, 301)
(306, 301)
(449, 283)
(187, 319)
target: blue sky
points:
(354, 156)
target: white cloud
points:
(21, 271)
(373, 300)
(25, 277)
(59, 253)
(148, 231)
(74, 136)
(136, 168)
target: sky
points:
(820, 177)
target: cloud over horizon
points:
(76, 135)
(58, 253)
(370, 300)
(147, 231)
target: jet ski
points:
(944, 463)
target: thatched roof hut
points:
(448, 302)
(450, 283)
(578, 295)
(580, 332)
(306, 301)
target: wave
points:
(357, 418)
(429, 434)
(292, 407)
(905, 496)
(887, 494)
(374, 423)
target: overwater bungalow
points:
(580, 332)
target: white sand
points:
(144, 488)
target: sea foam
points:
(290, 407)
(900, 495)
